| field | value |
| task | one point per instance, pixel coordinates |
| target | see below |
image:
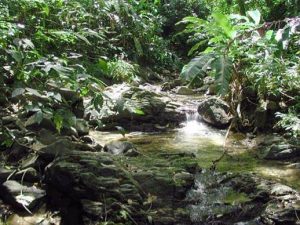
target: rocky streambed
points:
(135, 176)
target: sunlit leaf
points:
(255, 16)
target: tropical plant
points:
(243, 52)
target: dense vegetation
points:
(252, 50)
(80, 77)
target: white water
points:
(195, 128)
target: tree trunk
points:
(269, 3)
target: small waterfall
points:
(193, 128)
(193, 125)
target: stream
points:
(194, 136)
(163, 175)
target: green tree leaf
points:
(197, 66)
(223, 68)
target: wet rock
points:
(20, 195)
(183, 90)
(87, 139)
(241, 200)
(121, 147)
(215, 112)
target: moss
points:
(236, 198)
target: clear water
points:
(206, 143)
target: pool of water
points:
(207, 144)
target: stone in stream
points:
(215, 112)
(183, 90)
(121, 147)
(21, 196)
(82, 127)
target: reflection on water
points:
(206, 143)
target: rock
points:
(92, 208)
(46, 137)
(82, 127)
(63, 147)
(93, 182)
(215, 112)
(274, 147)
(98, 185)
(183, 90)
(171, 84)
(126, 104)
(121, 147)
(212, 89)
(17, 152)
(4, 173)
(241, 200)
(208, 80)
(281, 152)
(20, 195)
(87, 139)
(280, 190)
(56, 149)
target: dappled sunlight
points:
(280, 173)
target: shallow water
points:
(207, 144)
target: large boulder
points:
(215, 112)
(136, 108)
(124, 102)
(97, 185)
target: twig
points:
(214, 162)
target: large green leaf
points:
(223, 21)
(223, 68)
(197, 67)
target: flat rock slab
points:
(96, 186)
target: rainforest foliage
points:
(251, 48)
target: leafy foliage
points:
(244, 52)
